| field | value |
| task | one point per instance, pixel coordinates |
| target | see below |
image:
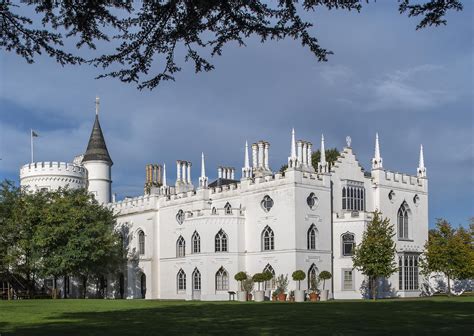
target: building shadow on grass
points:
(410, 317)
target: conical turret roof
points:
(97, 149)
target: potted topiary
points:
(259, 294)
(282, 286)
(241, 294)
(325, 275)
(247, 284)
(299, 276)
(313, 286)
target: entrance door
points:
(143, 285)
(196, 285)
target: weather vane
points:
(348, 141)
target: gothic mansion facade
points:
(188, 242)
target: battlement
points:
(401, 178)
(52, 168)
(135, 204)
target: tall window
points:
(408, 272)
(269, 284)
(141, 243)
(196, 242)
(181, 280)
(312, 233)
(222, 280)
(353, 196)
(228, 209)
(347, 283)
(348, 244)
(180, 247)
(403, 221)
(196, 280)
(221, 241)
(268, 239)
(312, 274)
(267, 203)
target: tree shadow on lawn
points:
(207, 318)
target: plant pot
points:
(313, 297)
(242, 296)
(282, 297)
(259, 296)
(325, 295)
(299, 295)
(249, 297)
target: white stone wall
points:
(52, 175)
(99, 180)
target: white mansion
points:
(187, 242)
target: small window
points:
(196, 242)
(312, 233)
(180, 247)
(348, 244)
(267, 203)
(214, 211)
(416, 199)
(313, 201)
(141, 243)
(228, 209)
(268, 239)
(222, 280)
(221, 241)
(391, 195)
(180, 217)
(181, 280)
(347, 280)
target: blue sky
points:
(410, 86)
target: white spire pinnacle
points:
(421, 165)
(377, 160)
(203, 166)
(203, 179)
(97, 102)
(323, 165)
(164, 174)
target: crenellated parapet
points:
(51, 175)
(135, 204)
(396, 179)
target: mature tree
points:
(449, 251)
(375, 255)
(156, 30)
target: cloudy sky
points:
(410, 86)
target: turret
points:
(98, 163)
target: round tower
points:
(98, 163)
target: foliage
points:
(247, 284)
(299, 276)
(267, 276)
(375, 255)
(331, 157)
(314, 284)
(57, 233)
(258, 278)
(449, 251)
(325, 275)
(282, 283)
(240, 277)
(148, 35)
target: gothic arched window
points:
(269, 284)
(180, 247)
(268, 239)
(312, 274)
(141, 242)
(196, 280)
(228, 209)
(312, 234)
(196, 242)
(403, 221)
(348, 244)
(181, 280)
(221, 241)
(267, 203)
(222, 280)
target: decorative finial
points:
(377, 161)
(97, 105)
(348, 141)
(421, 172)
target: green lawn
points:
(440, 315)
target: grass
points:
(421, 316)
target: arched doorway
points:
(143, 285)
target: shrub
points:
(282, 283)
(325, 275)
(247, 285)
(241, 276)
(298, 275)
